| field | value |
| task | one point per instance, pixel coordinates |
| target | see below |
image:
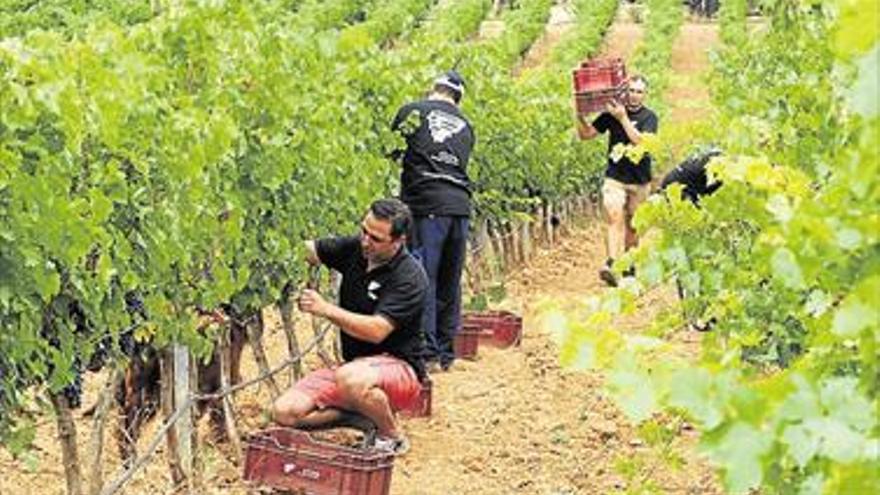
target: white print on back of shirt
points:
(445, 157)
(443, 125)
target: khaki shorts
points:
(617, 196)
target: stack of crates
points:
(597, 82)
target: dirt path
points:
(688, 94)
(625, 33)
(514, 422)
(560, 21)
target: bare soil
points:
(688, 93)
(561, 20)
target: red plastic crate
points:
(595, 101)
(599, 74)
(290, 459)
(500, 329)
(422, 407)
(465, 342)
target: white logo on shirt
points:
(443, 125)
(372, 287)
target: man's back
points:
(434, 179)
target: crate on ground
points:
(421, 408)
(597, 82)
(500, 329)
(466, 340)
(290, 459)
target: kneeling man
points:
(379, 313)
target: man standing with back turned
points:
(436, 187)
(627, 184)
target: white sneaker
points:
(399, 446)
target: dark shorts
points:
(396, 378)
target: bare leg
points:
(293, 406)
(318, 417)
(358, 383)
(634, 198)
(614, 203)
(632, 238)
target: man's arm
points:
(312, 253)
(619, 112)
(369, 328)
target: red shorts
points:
(396, 378)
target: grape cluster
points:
(73, 391)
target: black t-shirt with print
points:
(624, 170)
(439, 140)
(395, 290)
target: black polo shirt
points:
(624, 170)
(395, 290)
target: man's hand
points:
(585, 129)
(616, 110)
(310, 301)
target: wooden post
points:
(565, 216)
(548, 222)
(175, 464)
(484, 245)
(285, 307)
(96, 443)
(228, 409)
(255, 337)
(497, 245)
(67, 438)
(526, 237)
(507, 242)
(184, 425)
(195, 475)
(175, 390)
(514, 240)
(335, 285)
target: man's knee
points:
(615, 214)
(354, 382)
(291, 406)
(614, 205)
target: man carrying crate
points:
(627, 184)
(379, 314)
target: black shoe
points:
(608, 277)
(630, 272)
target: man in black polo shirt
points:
(380, 311)
(627, 184)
